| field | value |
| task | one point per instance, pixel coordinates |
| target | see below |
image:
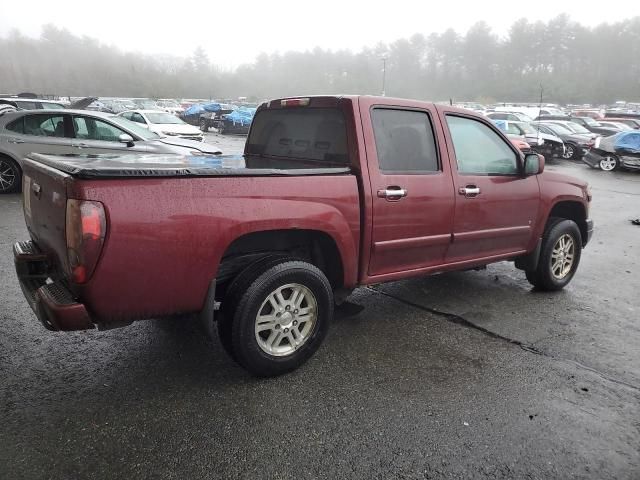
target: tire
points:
(233, 294)
(10, 175)
(204, 126)
(609, 163)
(570, 152)
(273, 349)
(547, 276)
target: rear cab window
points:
(299, 137)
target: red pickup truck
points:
(331, 193)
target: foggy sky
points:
(234, 32)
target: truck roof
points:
(173, 165)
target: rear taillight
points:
(86, 229)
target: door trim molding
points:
(492, 233)
(412, 242)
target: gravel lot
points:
(461, 375)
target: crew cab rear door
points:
(496, 205)
(411, 185)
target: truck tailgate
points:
(44, 191)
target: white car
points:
(164, 124)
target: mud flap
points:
(530, 260)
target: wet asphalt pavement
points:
(461, 375)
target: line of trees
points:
(571, 62)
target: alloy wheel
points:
(568, 152)
(286, 319)
(563, 256)
(7, 175)
(608, 163)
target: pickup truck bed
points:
(167, 254)
(331, 193)
(158, 165)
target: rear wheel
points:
(609, 163)
(276, 314)
(10, 175)
(559, 257)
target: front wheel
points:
(204, 126)
(609, 163)
(559, 256)
(10, 176)
(277, 315)
(569, 152)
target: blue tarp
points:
(203, 107)
(242, 116)
(501, 124)
(629, 141)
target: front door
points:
(496, 205)
(411, 184)
(94, 136)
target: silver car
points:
(79, 132)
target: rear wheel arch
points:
(314, 246)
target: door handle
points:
(81, 145)
(15, 140)
(392, 193)
(469, 191)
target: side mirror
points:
(125, 138)
(533, 164)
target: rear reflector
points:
(294, 102)
(86, 228)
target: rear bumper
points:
(592, 159)
(52, 301)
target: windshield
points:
(558, 129)
(52, 105)
(590, 121)
(163, 118)
(575, 128)
(618, 125)
(133, 127)
(526, 128)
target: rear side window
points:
(16, 126)
(44, 125)
(404, 141)
(312, 134)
